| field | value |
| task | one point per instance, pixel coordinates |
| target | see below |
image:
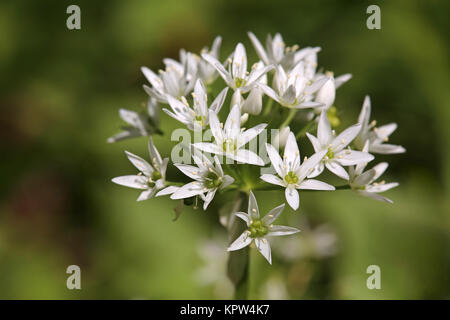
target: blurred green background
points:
(60, 92)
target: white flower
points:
(208, 179)
(140, 123)
(195, 118)
(176, 80)
(336, 155)
(291, 174)
(151, 177)
(363, 182)
(260, 228)
(280, 139)
(229, 139)
(275, 52)
(206, 71)
(253, 103)
(292, 89)
(237, 76)
(376, 136)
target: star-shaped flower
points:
(363, 182)
(229, 139)
(336, 155)
(208, 178)
(151, 177)
(260, 228)
(196, 118)
(237, 77)
(292, 89)
(291, 174)
(375, 136)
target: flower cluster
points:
(284, 95)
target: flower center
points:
(330, 154)
(257, 229)
(212, 180)
(291, 178)
(228, 145)
(239, 82)
(199, 120)
(156, 175)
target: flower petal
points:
(292, 198)
(324, 129)
(253, 210)
(249, 134)
(273, 215)
(189, 170)
(312, 184)
(272, 179)
(310, 164)
(337, 169)
(282, 231)
(242, 241)
(140, 163)
(146, 194)
(291, 153)
(275, 159)
(188, 190)
(263, 246)
(132, 181)
(258, 48)
(232, 126)
(352, 157)
(167, 191)
(247, 156)
(381, 187)
(345, 137)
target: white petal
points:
(311, 184)
(272, 179)
(263, 246)
(214, 124)
(191, 171)
(140, 163)
(208, 198)
(352, 157)
(282, 231)
(132, 181)
(317, 170)
(147, 194)
(208, 147)
(259, 48)
(249, 134)
(375, 196)
(387, 149)
(244, 216)
(130, 117)
(364, 116)
(167, 191)
(154, 154)
(292, 198)
(308, 166)
(291, 153)
(255, 74)
(342, 79)
(152, 77)
(226, 181)
(239, 66)
(188, 190)
(270, 92)
(314, 141)
(379, 169)
(275, 159)
(253, 210)
(324, 129)
(242, 241)
(232, 126)
(273, 215)
(334, 167)
(365, 178)
(218, 66)
(247, 156)
(219, 100)
(381, 187)
(345, 137)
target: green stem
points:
(289, 118)
(268, 107)
(308, 127)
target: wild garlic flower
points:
(363, 182)
(151, 177)
(336, 155)
(291, 174)
(260, 228)
(176, 80)
(376, 136)
(237, 77)
(292, 89)
(229, 138)
(196, 118)
(208, 178)
(140, 123)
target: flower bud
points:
(253, 103)
(327, 93)
(244, 118)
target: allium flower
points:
(291, 174)
(140, 123)
(151, 177)
(195, 118)
(176, 80)
(208, 178)
(292, 89)
(336, 155)
(363, 182)
(260, 228)
(237, 77)
(229, 139)
(375, 136)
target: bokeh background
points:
(60, 92)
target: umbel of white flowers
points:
(288, 81)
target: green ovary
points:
(291, 178)
(228, 145)
(257, 229)
(156, 175)
(239, 82)
(212, 180)
(330, 154)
